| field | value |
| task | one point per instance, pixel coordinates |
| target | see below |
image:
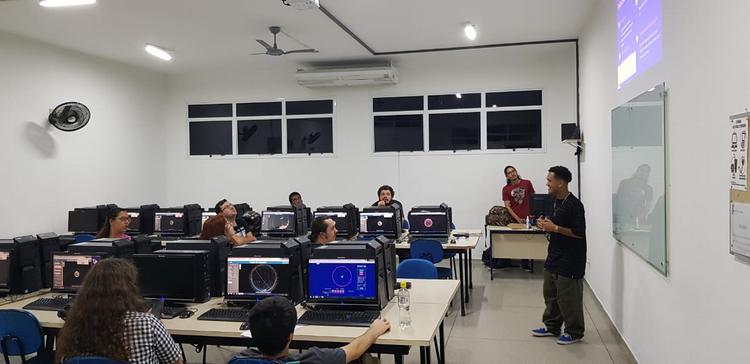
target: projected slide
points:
(639, 37)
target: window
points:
(259, 136)
(406, 103)
(514, 129)
(211, 138)
(259, 109)
(514, 98)
(395, 133)
(459, 131)
(310, 135)
(210, 111)
(309, 107)
(454, 101)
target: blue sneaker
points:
(542, 332)
(566, 339)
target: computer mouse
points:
(186, 314)
(244, 326)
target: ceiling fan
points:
(275, 50)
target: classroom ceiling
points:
(206, 35)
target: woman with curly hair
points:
(110, 319)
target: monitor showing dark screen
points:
(169, 222)
(166, 275)
(135, 221)
(542, 204)
(68, 270)
(339, 217)
(278, 221)
(257, 277)
(343, 279)
(377, 222)
(4, 268)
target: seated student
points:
(323, 230)
(115, 225)
(385, 198)
(110, 319)
(295, 199)
(272, 323)
(226, 222)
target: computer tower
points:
(48, 243)
(369, 250)
(242, 208)
(118, 248)
(146, 224)
(65, 240)
(142, 244)
(20, 268)
(218, 249)
(174, 275)
(287, 249)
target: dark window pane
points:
(309, 107)
(309, 135)
(210, 111)
(211, 137)
(458, 131)
(452, 101)
(514, 98)
(514, 129)
(259, 136)
(398, 133)
(406, 103)
(259, 108)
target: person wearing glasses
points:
(227, 222)
(115, 225)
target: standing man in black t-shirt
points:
(566, 261)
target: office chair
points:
(432, 251)
(416, 269)
(246, 360)
(91, 360)
(21, 335)
(82, 238)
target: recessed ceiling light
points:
(61, 3)
(470, 31)
(158, 52)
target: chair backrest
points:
(427, 249)
(248, 360)
(405, 224)
(82, 238)
(453, 226)
(91, 360)
(20, 333)
(416, 269)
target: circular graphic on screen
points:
(380, 223)
(263, 278)
(342, 276)
(428, 222)
(77, 274)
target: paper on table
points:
(248, 334)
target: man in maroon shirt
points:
(517, 199)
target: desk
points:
(463, 247)
(517, 243)
(428, 310)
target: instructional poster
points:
(738, 152)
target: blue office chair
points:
(246, 360)
(432, 251)
(21, 335)
(416, 269)
(452, 256)
(405, 224)
(91, 360)
(82, 238)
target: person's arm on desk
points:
(359, 346)
(548, 226)
(512, 213)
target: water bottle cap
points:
(403, 284)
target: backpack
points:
(498, 216)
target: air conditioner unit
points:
(350, 76)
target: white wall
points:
(698, 313)
(116, 158)
(470, 183)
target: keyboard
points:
(49, 304)
(226, 314)
(339, 318)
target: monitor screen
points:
(542, 204)
(338, 216)
(377, 222)
(428, 222)
(343, 279)
(252, 277)
(4, 268)
(169, 222)
(68, 270)
(135, 222)
(280, 221)
(206, 216)
(166, 275)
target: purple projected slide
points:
(639, 40)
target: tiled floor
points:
(496, 327)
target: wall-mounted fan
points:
(70, 116)
(275, 50)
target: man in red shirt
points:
(517, 199)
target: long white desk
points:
(429, 306)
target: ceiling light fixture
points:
(61, 3)
(470, 31)
(158, 52)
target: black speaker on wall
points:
(570, 131)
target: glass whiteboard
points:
(638, 176)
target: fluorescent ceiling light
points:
(470, 31)
(158, 52)
(61, 3)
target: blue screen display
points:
(342, 279)
(639, 37)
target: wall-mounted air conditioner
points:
(349, 76)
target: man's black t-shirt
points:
(242, 228)
(565, 255)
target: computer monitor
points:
(542, 204)
(343, 280)
(134, 227)
(279, 223)
(69, 269)
(265, 268)
(430, 221)
(118, 248)
(176, 275)
(380, 221)
(4, 271)
(169, 222)
(84, 220)
(346, 218)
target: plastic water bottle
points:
(404, 315)
(528, 223)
